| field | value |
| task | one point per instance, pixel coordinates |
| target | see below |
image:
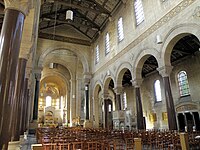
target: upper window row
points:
(139, 16)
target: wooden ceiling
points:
(89, 19)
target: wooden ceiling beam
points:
(81, 7)
(47, 27)
(71, 23)
(99, 6)
(64, 39)
(87, 19)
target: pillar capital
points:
(137, 82)
(38, 76)
(21, 5)
(87, 77)
(165, 71)
(118, 89)
(105, 95)
(24, 54)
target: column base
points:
(25, 135)
(33, 125)
(87, 124)
(15, 145)
(21, 139)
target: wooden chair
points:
(129, 143)
(78, 145)
(92, 145)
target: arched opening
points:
(108, 103)
(185, 61)
(149, 74)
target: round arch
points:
(120, 72)
(173, 36)
(141, 58)
(59, 75)
(76, 51)
(107, 82)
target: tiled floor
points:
(26, 144)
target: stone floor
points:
(26, 143)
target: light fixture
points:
(158, 39)
(69, 15)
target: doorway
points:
(181, 122)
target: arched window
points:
(139, 14)
(124, 101)
(107, 43)
(183, 83)
(120, 29)
(48, 101)
(157, 91)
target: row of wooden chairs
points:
(111, 139)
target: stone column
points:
(24, 110)
(10, 40)
(27, 108)
(87, 102)
(105, 113)
(72, 100)
(19, 99)
(140, 120)
(118, 102)
(88, 119)
(68, 106)
(165, 72)
(36, 96)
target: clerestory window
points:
(139, 13)
(107, 43)
(97, 54)
(120, 29)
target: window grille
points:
(97, 54)
(120, 29)
(107, 43)
(139, 13)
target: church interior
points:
(99, 74)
